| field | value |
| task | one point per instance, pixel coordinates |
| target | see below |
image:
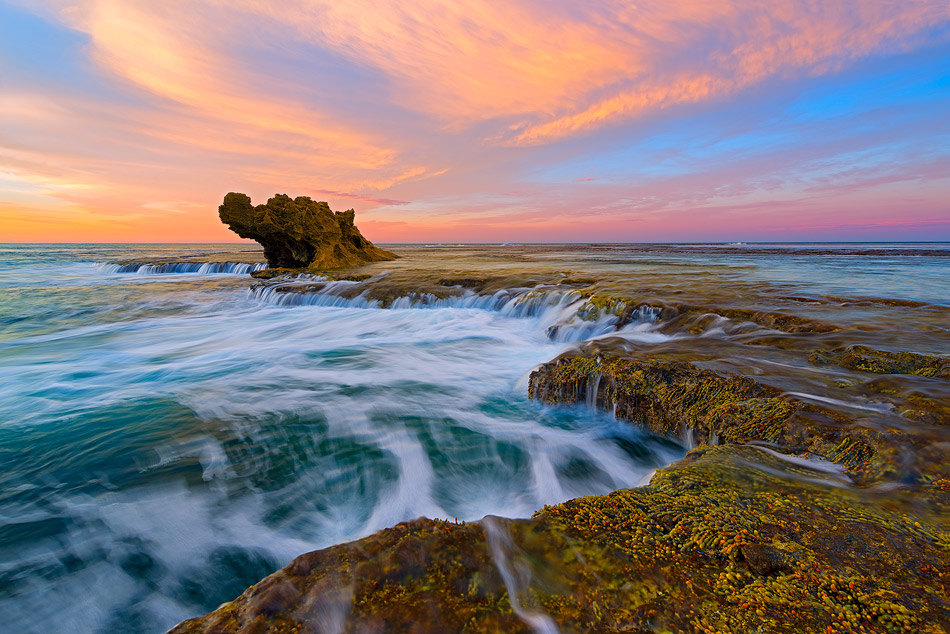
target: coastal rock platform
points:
(731, 539)
(815, 497)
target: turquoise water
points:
(167, 440)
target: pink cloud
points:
(375, 201)
(456, 100)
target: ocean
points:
(169, 436)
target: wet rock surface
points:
(793, 517)
(300, 233)
(817, 498)
(731, 539)
(881, 362)
(874, 439)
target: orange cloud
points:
(198, 99)
(571, 68)
(169, 50)
(466, 60)
(560, 69)
(375, 201)
(784, 36)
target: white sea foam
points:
(553, 310)
(200, 268)
(869, 406)
(313, 423)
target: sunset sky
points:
(471, 120)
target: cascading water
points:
(593, 386)
(200, 268)
(515, 575)
(168, 443)
(554, 310)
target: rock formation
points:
(731, 539)
(300, 233)
(795, 513)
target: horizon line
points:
(524, 243)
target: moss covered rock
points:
(731, 539)
(682, 400)
(764, 534)
(826, 514)
(868, 359)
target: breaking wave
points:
(200, 268)
(168, 443)
(559, 313)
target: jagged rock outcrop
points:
(300, 233)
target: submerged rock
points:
(300, 233)
(882, 362)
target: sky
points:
(478, 120)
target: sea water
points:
(168, 439)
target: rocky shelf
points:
(816, 499)
(731, 539)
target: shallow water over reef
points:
(169, 436)
(169, 439)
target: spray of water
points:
(166, 456)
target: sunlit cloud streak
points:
(376, 201)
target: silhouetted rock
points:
(300, 233)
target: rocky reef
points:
(680, 399)
(816, 496)
(790, 516)
(299, 233)
(731, 539)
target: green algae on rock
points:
(766, 534)
(882, 362)
(299, 233)
(731, 539)
(678, 398)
